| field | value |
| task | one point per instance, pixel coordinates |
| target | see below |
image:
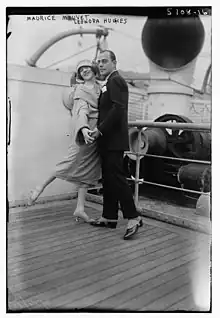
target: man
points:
(112, 134)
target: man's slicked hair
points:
(112, 54)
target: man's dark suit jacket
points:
(113, 115)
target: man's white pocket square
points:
(104, 89)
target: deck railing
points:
(181, 126)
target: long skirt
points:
(81, 166)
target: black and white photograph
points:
(109, 159)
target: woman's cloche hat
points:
(89, 63)
(84, 63)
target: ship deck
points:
(55, 263)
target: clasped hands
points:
(90, 135)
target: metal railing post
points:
(137, 173)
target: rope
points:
(69, 57)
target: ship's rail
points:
(181, 126)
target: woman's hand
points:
(95, 133)
(87, 135)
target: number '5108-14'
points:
(187, 12)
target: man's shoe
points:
(101, 223)
(130, 232)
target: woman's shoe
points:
(34, 194)
(82, 215)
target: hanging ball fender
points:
(133, 142)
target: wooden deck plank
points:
(162, 303)
(40, 225)
(187, 233)
(185, 304)
(39, 231)
(28, 216)
(39, 276)
(29, 223)
(113, 284)
(42, 229)
(89, 298)
(27, 213)
(68, 282)
(30, 264)
(75, 232)
(107, 281)
(154, 277)
(70, 228)
(41, 247)
(72, 236)
(54, 262)
(16, 302)
(155, 293)
(94, 210)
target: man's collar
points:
(107, 77)
(103, 83)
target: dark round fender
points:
(133, 142)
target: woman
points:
(82, 164)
